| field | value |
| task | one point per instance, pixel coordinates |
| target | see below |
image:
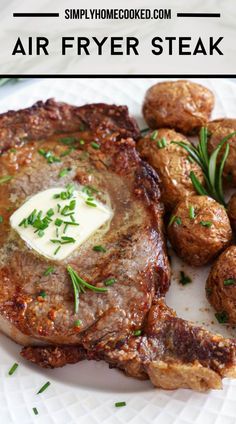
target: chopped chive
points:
(137, 332)
(49, 271)
(172, 220)
(184, 279)
(89, 203)
(178, 220)
(99, 249)
(81, 142)
(207, 224)
(35, 411)
(162, 143)
(58, 208)
(57, 250)
(120, 404)
(42, 294)
(5, 179)
(89, 190)
(13, 368)
(77, 323)
(67, 152)
(44, 387)
(71, 223)
(230, 282)
(50, 212)
(57, 232)
(72, 205)
(222, 317)
(1, 219)
(191, 212)
(58, 222)
(68, 140)
(209, 291)
(40, 233)
(154, 134)
(64, 172)
(95, 145)
(69, 239)
(109, 282)
(72, 217)
(65, 229)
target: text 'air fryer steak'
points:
(129, 325)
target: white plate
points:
(85, 393)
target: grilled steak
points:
(129, 326)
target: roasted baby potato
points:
(219, 129)
(182, 105)
(221, 286)
(172, 164)
(232, 210)
(199, 229)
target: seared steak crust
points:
(170, 351)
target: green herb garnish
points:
(35, 411)
(208, 163)
(90, 203)
(57, 250)
(80, 285)
(64, 172)
(154, 135)
(81, 142)
(77, 323)
(67, 152)
(1, 219)
(184, 279)
(120, 404)
(44, 387)
(13, 368)
(207, 224)
(222, 317)
(68, 140)
(162, 143)
(99, 249)
(49, 271)
(191, 212)
(137, 333)
(5, 179)
(42, 294)
(95, 145)
(58, 222)
(109, 282)
(230, 282)
(49, 156)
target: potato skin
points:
(182, 105)
(219, 129)
(223, 297)
(232, 211)
(172, 165)
(195, 243)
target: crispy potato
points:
(221, 286)
(219, 129)
(232, 210)
(199, 229)
(171, 163)
(182, 105)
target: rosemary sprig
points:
(80, 286)
(208, 163)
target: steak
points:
(129, 326)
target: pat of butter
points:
(89, 218)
